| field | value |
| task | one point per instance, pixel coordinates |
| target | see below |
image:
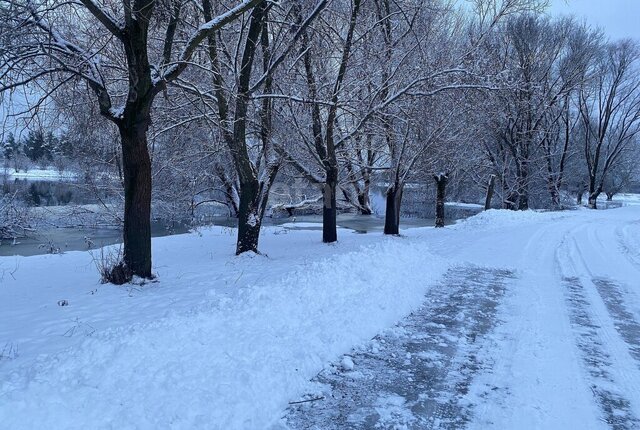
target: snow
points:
(252, 220)
(295, 225)
(347, 363)
(40, 174)
(464, 205)
(227, 342)
(220, 339)
(626, 199)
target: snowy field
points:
(508, 320)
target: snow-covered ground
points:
(534, 316)
(626, 199)
(49, 174)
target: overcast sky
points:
(618, 18)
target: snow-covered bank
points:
(219, 342)
(40, 174)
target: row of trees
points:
(36, 145)
(575, 100)
(227, 100)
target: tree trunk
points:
(593, 199)
(490, 190)
(523, 188)
(581, 189)
(392, 212)
(610, 196)
(554, 192)
(136, 169)
(249, 219)
(555, 198)
(593, 195)
(136, 162)
(364, 200)
(441, 183)
(329, 211)
(511, 201)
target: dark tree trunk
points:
(511, 202)
(441, 183)
(553, 185)
(555, 197)
(523, 188)
(364, 201)
(136, 167)
(610, 196)
(329, 209)
(593, 197)
(136, 162)
(328, 151)
(249, 211)
(392, 212)
(581, 189)
(231, 189)
(365, 198)
(490, 189)
(249, 219)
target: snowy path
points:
(566, 353)
(414, 374)
(562, 350)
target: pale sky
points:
(618, 18)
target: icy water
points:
(55, 240)
(58, 240)
(52, 195)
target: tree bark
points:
(610, 196)
(581, 189)
(594, 192)
(441, 183)
(593, 199)
(329, 209)
(511, 202)
(364, 201)
(136, 162)
(490, 190)
(330, 160)
(523, 187)
(555, 195)
(392, 212)
(137, 199)
(249, 219)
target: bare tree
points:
(609, 109)
(65, 41)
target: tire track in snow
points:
(616, 408)
(611, 291)
(624, 320)
(628, 249)
(597, 344)
(415, 375)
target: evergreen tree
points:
(37, 146)
(10, 147)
